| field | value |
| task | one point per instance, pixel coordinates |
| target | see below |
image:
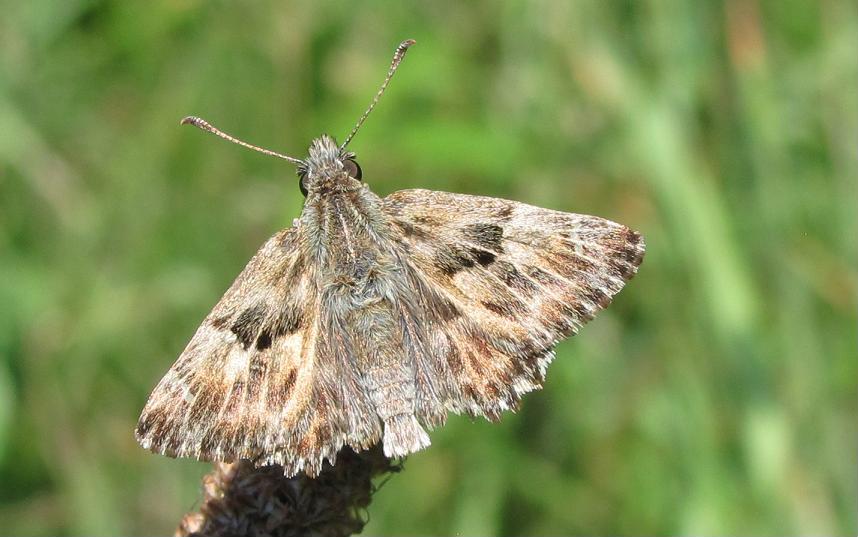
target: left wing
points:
(499, 284)
(264, 378)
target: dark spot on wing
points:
(598, 297)
(558, 318)
(484, 258)
(534, 357)
(150, 423)
(473, 361)
(317, 435)
(632, 237)
(620, 268)
(575, 310)
(632, 256)
(182, 371)
(486, 236)
(484, 349)
(454, 359)
(290, 381)
(540, 276)
(259, 324)
(247, 325)
(263, 341)
(521, 364)
(257, 371)
(511, 309)
(630, 251)
(235, 397)
(452, 258)
(411, 230)
(491, 306)
(571, 265)
(443, 308)
(278, 395)
(206, 404)
(288, 320)
(428, 220)
(513, 279)
(323, 432)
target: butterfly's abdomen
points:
(387, 376)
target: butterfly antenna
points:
(397, 58)
(208, 127)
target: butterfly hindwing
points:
(502, 282)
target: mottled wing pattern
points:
(250, 384)
(500, 283)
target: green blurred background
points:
(716, 396)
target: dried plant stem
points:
(239, 499)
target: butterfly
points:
(372, 318)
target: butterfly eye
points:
(351, 167)
(301, 178)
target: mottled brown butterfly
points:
(372, 318)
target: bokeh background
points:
(716, 396)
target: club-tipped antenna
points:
(397, 58)
(208, 127)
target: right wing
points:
(497, 284)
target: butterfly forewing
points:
(502, 283)
(251, 385)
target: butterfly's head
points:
(328, 167)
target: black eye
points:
(301, 178)
(351, 167)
